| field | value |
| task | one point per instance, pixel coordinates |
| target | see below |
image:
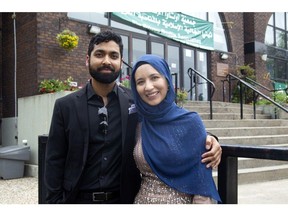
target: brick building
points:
(34, 55)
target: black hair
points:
(105, 36)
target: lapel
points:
(82, 115)
(124, 105)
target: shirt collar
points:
(91, 92)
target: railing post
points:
(241, 100)
(228, 180)
(176, 85)
(230, 87)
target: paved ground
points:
(25, 191)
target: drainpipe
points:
(15, 79)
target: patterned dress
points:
(153, 190)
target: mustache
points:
(105, 67)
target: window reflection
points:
(139, 48)
(276, 39)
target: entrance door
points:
(189, 62)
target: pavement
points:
(25, 191)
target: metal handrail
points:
(228, 168)
(254, 92)
(264, 87)
(190, 72)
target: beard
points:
(106, 78)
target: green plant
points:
(56, 85)
(125, 81)
(181, 96)
(244, 71)
(278, 96)
(67, 39)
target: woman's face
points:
(150, 85)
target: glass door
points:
(189, 62)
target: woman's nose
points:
(149, 85)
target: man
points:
(89, 155)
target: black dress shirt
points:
(103, 166)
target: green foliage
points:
(278, 96)
(125, 81)
(56, 85)
(181, 96)
(242, 72)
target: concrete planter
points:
(34, 118)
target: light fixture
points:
(264, 57)
(223, 56)
(94, 29)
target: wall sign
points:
(176, 26)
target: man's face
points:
(105, 62)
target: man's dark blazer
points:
(67, 147)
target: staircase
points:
(262, 131)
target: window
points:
(276, 39)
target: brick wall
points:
(54, 61)
(39, 56)
(233, 25)
(255, 29)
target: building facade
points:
(29, 51)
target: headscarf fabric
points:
(173, 138)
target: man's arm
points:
(214, 151)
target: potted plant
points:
(125, 81)
(181, 97)
(56, 85)
(244, 71)
(67, 39)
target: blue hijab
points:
(173, 139)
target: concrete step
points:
(254, 140)
(249, 131)
(262, 174)
(262, 131)
(206, 109)
(215, 104)
(259, 174)
(244, 163)
(244, 123)
(234, 116)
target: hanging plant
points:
(67, 39)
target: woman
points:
(170, 141)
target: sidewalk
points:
(25, 191)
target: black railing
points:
(228, 168)
(192, 73)
(230, 77)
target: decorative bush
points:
(181, 96)
(56, 85)
(125, 81)
(242, 72)
(67, 39)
